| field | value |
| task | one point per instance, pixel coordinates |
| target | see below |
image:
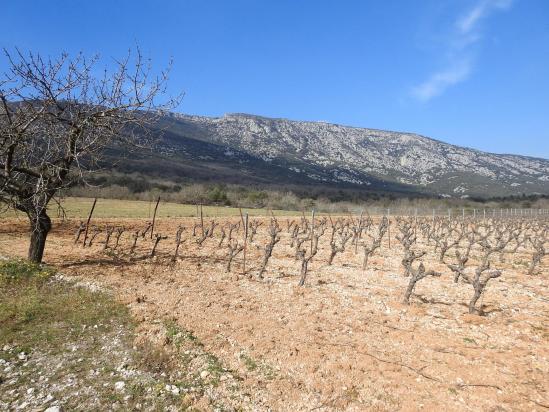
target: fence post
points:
(245, 242)
(389, 226)
(312, 228)
(201, 220)
(88, 221)
(154, 215)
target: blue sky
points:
(469, 72)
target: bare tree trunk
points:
(304, 267)
(333, 253)
(365, 260)
(474, 300)
(409, 290)
(40, 227)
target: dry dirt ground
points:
(344, 341)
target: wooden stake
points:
(154, 215)
(312, 228)
(358, 227)
(245, 242)
(415, 222)
(241, 217)
(201, 220)
(389, 226)
(88, 221)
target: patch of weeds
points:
(268, 372)
(72, 331)
(137, 390)
(153, 359)
(113, 397)
(469, 340)
(177, 335)
(351, 394)
(220, 407)
(34, 312)
(214, 364)
(250, 364)
(14, 270)
(173, 332)
(453, 391)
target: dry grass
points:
(79, 207)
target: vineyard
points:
(338, 312)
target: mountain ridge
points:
(259, 116)
(254, 149)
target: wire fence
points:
(457, 212)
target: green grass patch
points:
(17, 270)
(177, 335)
(250, 364)
(69, 331)
(35, 311)
(259, 367)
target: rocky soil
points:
(343, 342)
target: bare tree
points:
(479, 281)
(307, 257)
(178, 240)
(223, 236)
(234, 249)
(298, 242)
(110, 231)
(119, 231)
(254, 225)
(232, 228)
(56, 119)
(146, 230)
(445, 245)
(289, 225)
(539, 253)
(409, 257)
(95, 232)
(207, 233)
(274, 231)
(134, 243)
(417, 275)
(376, 241)
(157, 238)
(459, 269)
(338, 244)
(79, 231)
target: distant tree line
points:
(138, 187)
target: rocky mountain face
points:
(244, 147)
